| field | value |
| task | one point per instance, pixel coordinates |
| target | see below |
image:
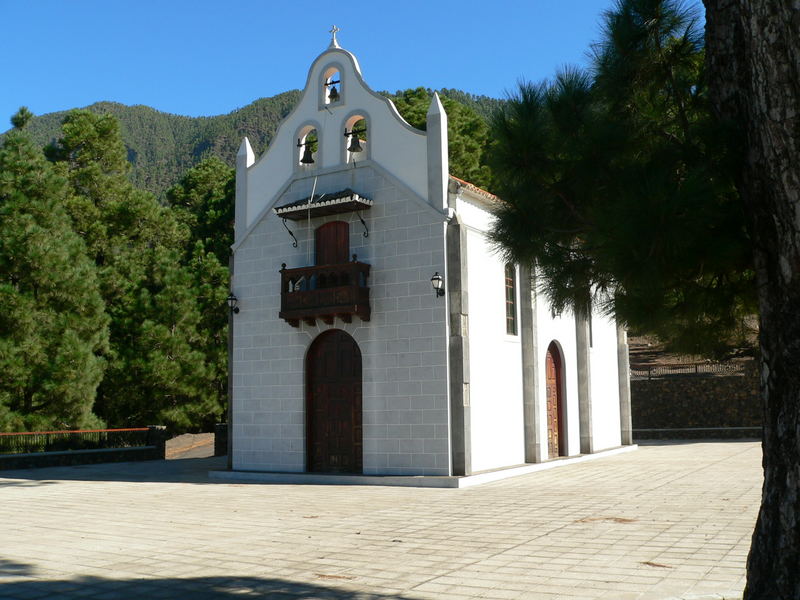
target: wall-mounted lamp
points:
(438, 284)
(233, 301)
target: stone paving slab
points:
(665, 522)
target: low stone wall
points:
(155, 450)
(36, 460)
(696, 406)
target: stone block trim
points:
(530, 372)
(458, 308)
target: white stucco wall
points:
(495, 364)
(605, 384)
(497, 434)
(404, 361)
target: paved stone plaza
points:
(665, 521)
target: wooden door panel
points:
(333, 430)
(332, 243)
(553, 383)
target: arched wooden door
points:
(333, 404)
(554, 377)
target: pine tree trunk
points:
(753, 52)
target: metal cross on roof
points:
(334, 30)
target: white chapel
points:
(378, 332)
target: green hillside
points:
(485, 106)
(162, 146)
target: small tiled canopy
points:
(323, 204)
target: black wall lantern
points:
(233, 301)
(438, 284)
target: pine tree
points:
(467, 133)
(203, 200)
(157, 369)
(21, 118)
(53, 328)
(619, 186)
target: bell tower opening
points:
(332, 88)
(355, 135)
(307, 146)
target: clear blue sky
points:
(203, 57)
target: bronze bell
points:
(308, 158)
(333, 94)
(355, 145)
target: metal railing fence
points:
(730, 368)
(84, 439)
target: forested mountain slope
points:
(162, 146)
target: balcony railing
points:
(325, 292)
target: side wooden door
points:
(333, 404)
(553, 375)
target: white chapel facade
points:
(345, 357)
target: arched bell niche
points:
(356, 136)
(308, 146)
(332, 87)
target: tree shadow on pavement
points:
(10, 568)
(21, 482)
(199, 588)
(187, 470)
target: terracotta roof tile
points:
(475, 189)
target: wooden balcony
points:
(325, 292)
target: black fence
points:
(730, 368)
(75, 447)
(694, 433)
(62, 441)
